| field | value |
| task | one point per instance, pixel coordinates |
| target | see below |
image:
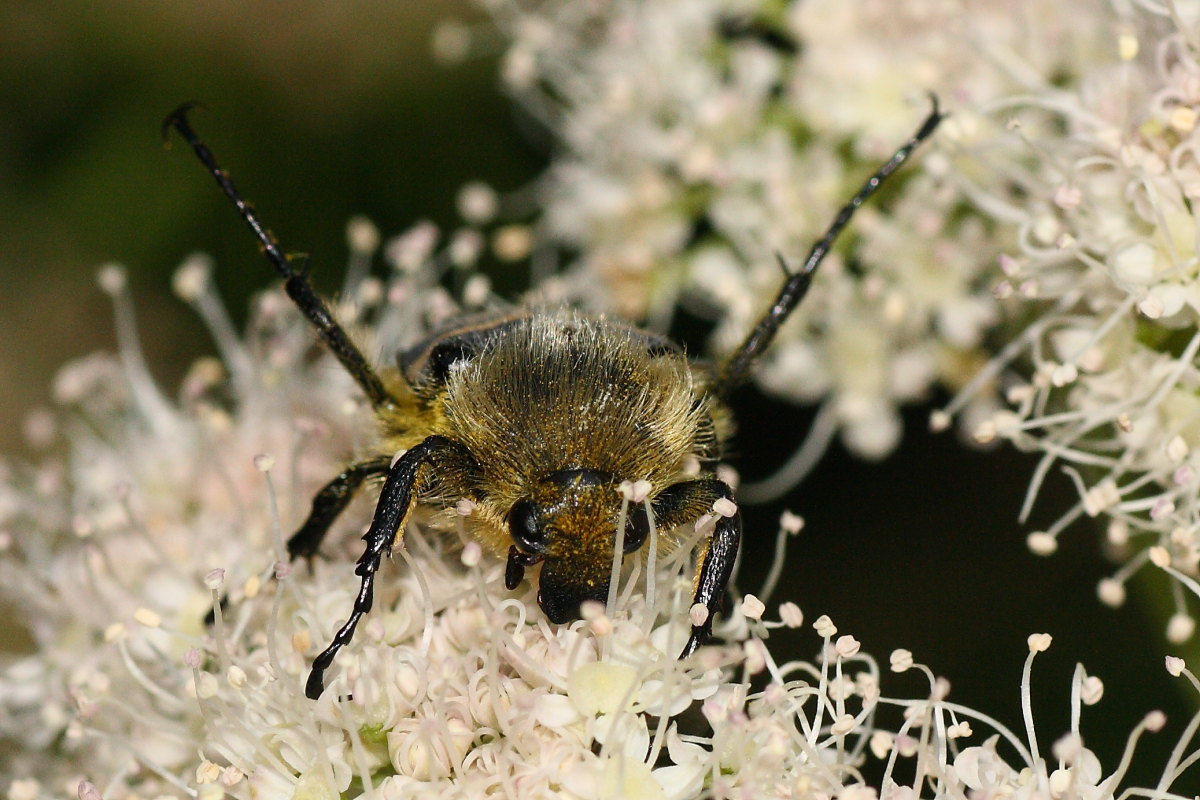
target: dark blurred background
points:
(319, 110)
(325, 110)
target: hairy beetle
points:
(538, 417)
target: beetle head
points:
(568, 523)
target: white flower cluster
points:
(1103, 379)
(701, 137)
(160, 511)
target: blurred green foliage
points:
(319, 110)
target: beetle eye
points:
(637, 528)
(524, 528)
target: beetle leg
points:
(328, 504)
(405, 479)
(688, 501)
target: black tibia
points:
(737, 369)
(405, 479)
(687, 502)
(328, 504)
(295, 282)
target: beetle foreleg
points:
(688, 501)
(328, 504)
(405, 479)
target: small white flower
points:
(1111, 592)
(1180, 628)
(752, 607)
(791, 615)
(792, 523)
(635, 491)
(824, 627)
(846, 646)
(601, 688)
(1092, 690)
(1042, 543)
(901, 660)
(1039, 642)
(477, 203)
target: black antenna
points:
(737, 369)
(295, 282)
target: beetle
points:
(538, 417)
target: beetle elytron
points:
(537, 418)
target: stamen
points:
(154, 407)
(193, 283)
